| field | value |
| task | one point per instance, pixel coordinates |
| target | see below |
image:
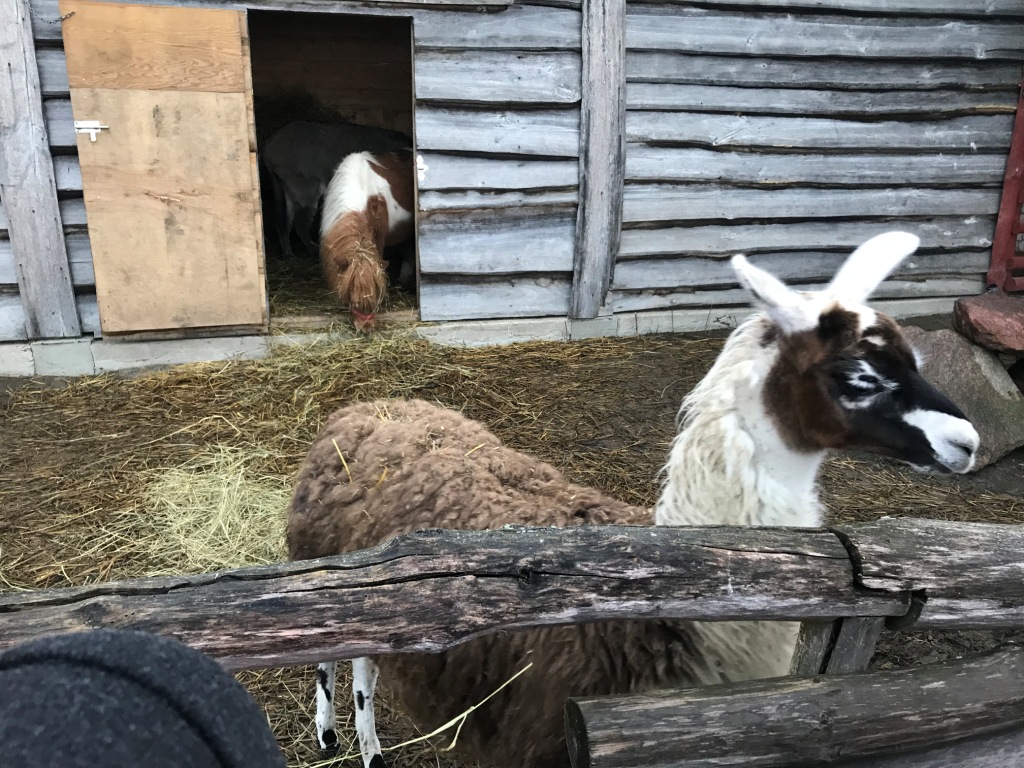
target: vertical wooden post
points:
(27, 184)
(845, 645)
(602, 153)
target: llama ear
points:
(790, 310)
(870, 264)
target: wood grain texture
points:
(858, 170)
(72, 215)
(717, 202)
(450, 172)
(791, 266)
(694, 30)
(553, 133)
(172, 223)
(12, 318)
(939, 232)
(79, 259)
(522, 27)
(1010, 8)
(429, 590)
(803, 721)
(854, 645)
(959, 134)
(498, 77)
(473, 200)
(520, 244)
(970, 574)
(156, 48)
(527, 295)
(810, 102)
(602, 155)
(668, 298)
(28, 187)
(828, 73)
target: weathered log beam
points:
(434, 589)
(964, 574)
(806, 721)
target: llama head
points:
(845, 375)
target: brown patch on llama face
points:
(885, 339)
(797, 391)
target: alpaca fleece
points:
(415, 465)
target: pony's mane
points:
(353, 268)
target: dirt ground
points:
(602, 411)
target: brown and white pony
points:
(368, 206)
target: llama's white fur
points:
(730, 464)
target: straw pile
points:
(189, 469)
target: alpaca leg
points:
(326, 732)
(364, 680)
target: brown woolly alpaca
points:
(811, 372)
(368, 206)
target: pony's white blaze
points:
(955, 441)
(353, 184)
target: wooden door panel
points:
(153, 47)
(170, 189)
(160, 191)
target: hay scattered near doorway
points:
(85, 463)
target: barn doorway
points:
(311, 70)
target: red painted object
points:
(1006, 270)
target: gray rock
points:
(973, 378)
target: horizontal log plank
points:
(711, 202)
(488, 299)
(791, 266)
(12, 316)
(971, 574)
(53, 72)
(944, 233)
(827, 73)
(79, 259)
(1010, 8)
(959, 134)
(662, 298)
(523, 27)
(661, 164)
(488, 248)
(67, 173)
(553, 133)
(498, 77)
(430, 590)
(802, 721)
(72, 215)
(471, 199)
(485, 173)
(804, 101)
(694, 30)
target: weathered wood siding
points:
(498, 127)
(794, 132)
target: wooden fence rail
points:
(430, 590)
(865, 719)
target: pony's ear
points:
(790, 310)
(870, 264)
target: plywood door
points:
(171, 186)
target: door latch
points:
(92, 127)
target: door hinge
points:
(92, 127)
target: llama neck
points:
(729, 465)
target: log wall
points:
(794, 133)
(791, 133)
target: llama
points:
(810, 372)
(368, 206)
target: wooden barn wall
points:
(792, 133)
(497, 126)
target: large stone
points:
(994, 320)
(974, 379)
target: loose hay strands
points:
(85, 464)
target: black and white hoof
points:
(377, 762)
(329, 741)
